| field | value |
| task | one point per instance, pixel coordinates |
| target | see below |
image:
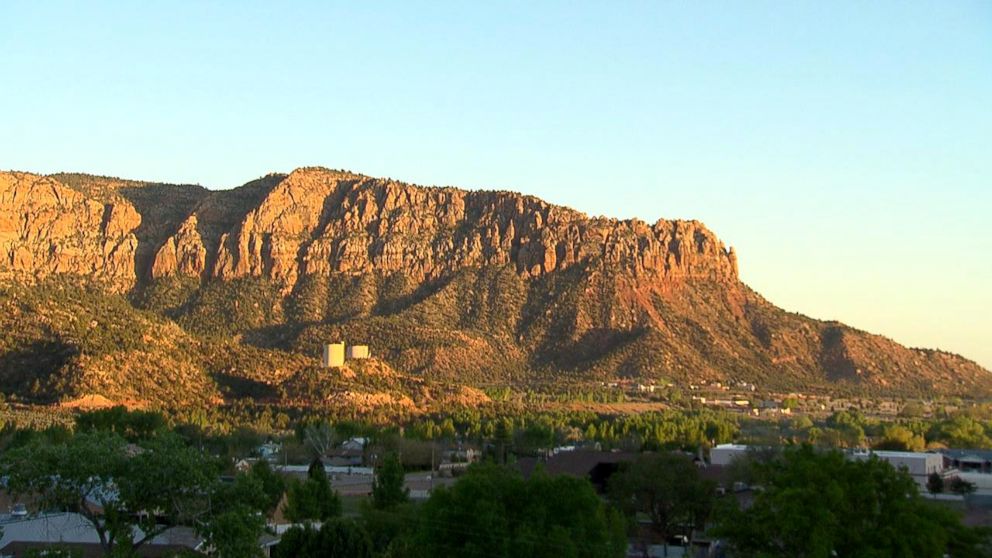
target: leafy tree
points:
(389, 529)
(493, 511)
(900, 438)
(667, 488)
(935, 483)
(846, 429)
(820, 504)
(273, 484)
(234, 532)
(313, 499)
(388, 488)
(960, 486)
(238, 519)
(961, 432)
(337, 538)
(115, 486)
(131, 425)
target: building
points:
(724, 454)
(358, 352)
(32, 536)
(595, 466)
(333, 355)
(968, 460)
(919, 465)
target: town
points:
(354, 476)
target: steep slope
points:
(316, 222)
(48, 228)
(451, 286)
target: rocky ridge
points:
(317, 221)
(462, 287)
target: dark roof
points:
(716, 473)
(959, 453)
(17, 549)
(578, 463)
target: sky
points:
(843, 148)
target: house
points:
(596, 466)
(724, 454)
(918, 464)
(269, 450)
(22, 537)
(968, 460)
(89, 550)
(355, 444)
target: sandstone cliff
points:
(48, 228)
(448, 285)
(317, 221)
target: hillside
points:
(123, 288)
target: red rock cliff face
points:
(317, 221)
(48, 228)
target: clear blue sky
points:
(844, 149)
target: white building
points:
(358, 352)
(724, 454)
(333, 355)
(918, 464)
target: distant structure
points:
(724, 454)
(919, 465)
(358, 352)
(333, 355)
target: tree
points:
(337, 538)
(388, 488)
(272, 483)
(312, 499)
(129, 493)
(667, 488)
(820, 504)
(238, 519)
(935, 483)
(492, 511)
(133, 426)
(960, 486)
(900, 438)
(320, 438)
(961, 432)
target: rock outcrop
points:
(47, 228)
(460, 286)
(318, 221)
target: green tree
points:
(961, 432)
(238, 519)
(820, 504)
(899, 438)
(272, 483)
(388, 488)
(960, 486)
(935, 483)
(312, 499)
(111, 484)
(492, 511)
(131, 425)
(667, 488)
(337, 538)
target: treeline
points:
(850, 429)
(812, 502)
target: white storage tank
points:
(333, 355)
